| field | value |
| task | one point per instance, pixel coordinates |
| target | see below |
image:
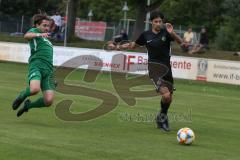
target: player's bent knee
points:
(167, 98)
(48, 102)
(48, 98)
(34, 90)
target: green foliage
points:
(225, 37)
(195, 13)
(228, 37)
(221, 17)
(109, 10)
(17, 8)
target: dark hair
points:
(38, 18)
(156, 14)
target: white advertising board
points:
(182, 67)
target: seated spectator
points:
(121, 38)
(118, 40)
(52, 27)
(188, 40)
(124, 35)
(58, 22)
(202, 46)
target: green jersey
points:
(41, 51)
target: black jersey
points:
(203, 39)
(158, 45)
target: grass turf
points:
(211, 110)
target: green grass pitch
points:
(129, 133)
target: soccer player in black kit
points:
(157, 40)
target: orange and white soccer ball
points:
(185, 136)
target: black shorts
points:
(161, 75)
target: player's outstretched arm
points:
(31, 35)
(174, 35)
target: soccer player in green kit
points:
(40, 68)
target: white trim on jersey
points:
(35, 44)
(170, 50)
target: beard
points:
(157, 28)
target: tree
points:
(103, 10)
(195, 13)
(71, 18)
(142, 10)
(13, 10)
(108, 11)
(228, 36)
(212, 13)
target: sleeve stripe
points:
(35, 44)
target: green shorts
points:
(45, 76)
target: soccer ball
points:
(185, 136)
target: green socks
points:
(39, 103)
(24, 94)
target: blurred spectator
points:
(124, 35)
(202, 46)
(58, 22)
(188, 40)
(52, 27)
(120, 38)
